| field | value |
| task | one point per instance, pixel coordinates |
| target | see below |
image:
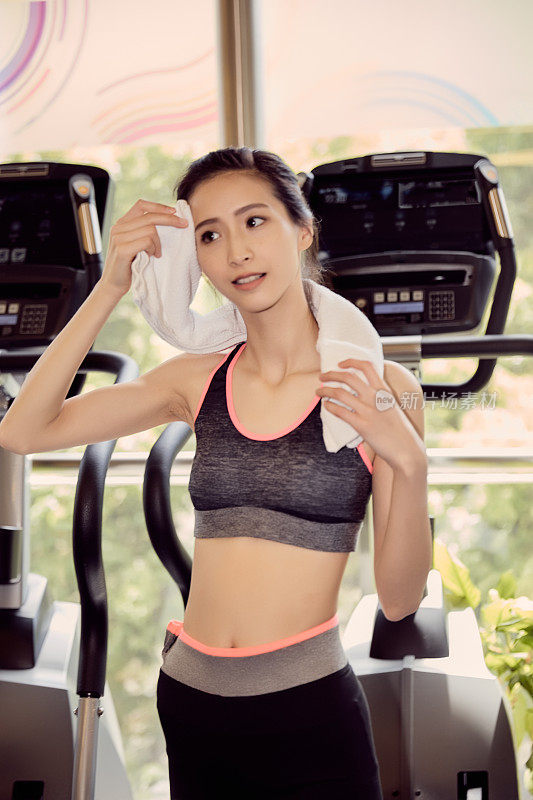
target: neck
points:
(281, 339)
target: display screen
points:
(37, 224)
(432, 194)
(396, 308)
(369, 195)
(375, 194)
(363, 212)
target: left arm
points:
(402, 533)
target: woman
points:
(255, 694)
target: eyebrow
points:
(239, 211)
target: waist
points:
(243, 625)
(269, 667)
(177, 627)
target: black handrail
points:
(157, 508)
(87, 523)
(482, 347)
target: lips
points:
(250, 286)
(249, 275)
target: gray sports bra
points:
(286, 487)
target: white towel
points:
(164, 288)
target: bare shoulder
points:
(185, 376)
(399, 375)
(407, 390)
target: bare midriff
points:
(247, 591)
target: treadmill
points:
(420, 260)
(53, 654)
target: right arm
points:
(40, 418)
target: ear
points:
(305, 237)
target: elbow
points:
(395, 614)
(392, 615)
(405, 606)
(13, 447)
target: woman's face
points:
(236, 242)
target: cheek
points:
(287, 240)
(211, 267)
(278, 241)
(206, 259)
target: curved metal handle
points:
(157, 509)
(87, 519)
(482, 347)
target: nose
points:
(238, 248)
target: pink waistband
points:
(176, 626)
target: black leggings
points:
(310, 741)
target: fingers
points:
(154, 218)
(139, 223)
(342, 395)
(143, 206)
(141, 235)
(155, 213)
(348, 376)
(139, 226)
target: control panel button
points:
(399, 221)
(405, 296)
(418, 295)
(3, 308)
(360, 302)
(4, 255)
(379, 297)
(392, 297)
(33, 320)
(368, 222)
(442, 305)
(13, 308)
(18, 254)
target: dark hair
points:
(284, 184)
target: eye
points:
(255, 226)
(206, 233)
(202, 239)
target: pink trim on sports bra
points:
(176, 626)
(365, 457)
(240, 427)
(249, 434)
(208, 383)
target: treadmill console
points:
(51, 216)
(410, 238)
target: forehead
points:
(230, 190)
